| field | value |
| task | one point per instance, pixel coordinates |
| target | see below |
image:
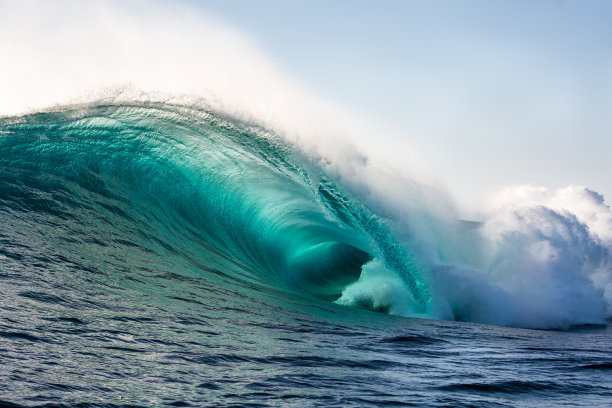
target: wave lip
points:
(181, 180)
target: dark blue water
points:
(157, 255)
(164, 339)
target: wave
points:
(110, 185)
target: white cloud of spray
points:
(541, 259)
(557, 246)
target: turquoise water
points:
(183, 187)
(161, 254)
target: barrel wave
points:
(116, 188)
(129, 189)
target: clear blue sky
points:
(494, 92)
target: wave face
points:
(183, 189)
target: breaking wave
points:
(113, 185)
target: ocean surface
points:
(157, 254)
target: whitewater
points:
(185, 232)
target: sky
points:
(494, 93)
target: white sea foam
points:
(542, 259)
